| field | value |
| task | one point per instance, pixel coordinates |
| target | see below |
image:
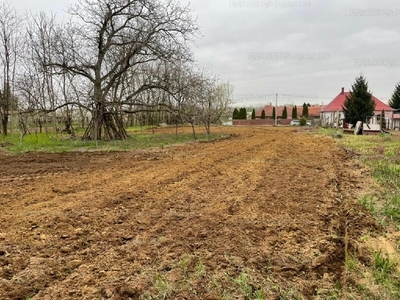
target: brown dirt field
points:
(265, 210)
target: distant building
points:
(314, 111)
(332, 115)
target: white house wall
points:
(329, 118)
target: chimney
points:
(342, 90)
(270, 104)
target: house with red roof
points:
(332, 115)
(313, 111)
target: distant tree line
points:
(241, 113)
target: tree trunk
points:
(40, 124)
(4, 124)
(208, 127)
(194, 132)
(106, 125)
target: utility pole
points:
(276, 110)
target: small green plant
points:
(329, 294)
(365, 237)
(350, 262)
(199, 269)
(260, 295)
(185, 265)
(383, 266)
(247, 289)
(162, 287)
(368, 203)
(243, 283)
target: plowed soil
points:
(266, 213)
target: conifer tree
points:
(263, 114)
(294, 112)
(241, 113)
(383, 120)
(305, 110)
(235, 114)
(359, 104)
(244, 113)
(395, 100)
(273, 113)
(284, 113)
(253, 114)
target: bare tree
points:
(10, 44)
(118, 58)
(199, 99)
(111, 38)
(215, 103)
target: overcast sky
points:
(303, 50)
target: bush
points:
(303, 121)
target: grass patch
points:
(391, 207)
(188, 276)
(246, 289)
(42, 142)
(163, 287)
(368, 203)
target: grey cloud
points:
(352, 33)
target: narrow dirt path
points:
(185, 222)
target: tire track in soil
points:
(263, 201)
